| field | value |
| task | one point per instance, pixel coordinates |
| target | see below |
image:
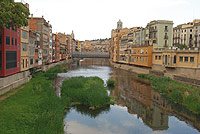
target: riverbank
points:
(34, 109)
(186, 95)
(183, 75)
(16, 80)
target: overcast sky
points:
(93, 19)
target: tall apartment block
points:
(25, 48)
(41, 26)
(186, 35)
(32, 41)
(9, 51)
(63, 45)
(159, 34)
(50, 43)
(197, 35)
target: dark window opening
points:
(7, 40)
(181, 58)
(15, 41)
(31, 61)
(191, 59)
(11, 59)
(12, 41)
(174, 59)
(186, 59)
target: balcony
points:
(152, 29)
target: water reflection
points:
(147, 104)
(139, 108)
(93, 113)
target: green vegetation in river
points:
(110, 82)
(52, 72)
(89, 91)
(186, 95)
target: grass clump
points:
(52, 72)
(89, 91)
(183, 94)
(110, 82)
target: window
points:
(31, 61)
(191, 59)
(159, 57)
(7, 40)
(23, 63)
(24, 47)
(145, 59)
(12, 41)
(156, 57)
(36, 50)
(15, 41)
(26, 63)
(31, 40)
(166, 28)
(190, 30)
(186, 59)
(15, 29)
(11, 59)
(24, 34)
(36, 61)
(0, 60)
(175, 59)
(146, 51)
(181, 59)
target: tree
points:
(13, 14)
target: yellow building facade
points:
(24, 48)
(141, 56)
(176, 58)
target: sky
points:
(94, 19)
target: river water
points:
(139, 109)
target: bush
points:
(110, 82)
(88, 91)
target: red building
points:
(57, 48)
(9, 51)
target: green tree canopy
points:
(13, 14)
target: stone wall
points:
(186, 75)
(193, 73)
(14, 81)
(130, 68)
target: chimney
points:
(31, 16)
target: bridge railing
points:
(90, 54)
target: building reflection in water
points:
(147, 104)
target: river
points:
(139, 109)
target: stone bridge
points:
(90, 55)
